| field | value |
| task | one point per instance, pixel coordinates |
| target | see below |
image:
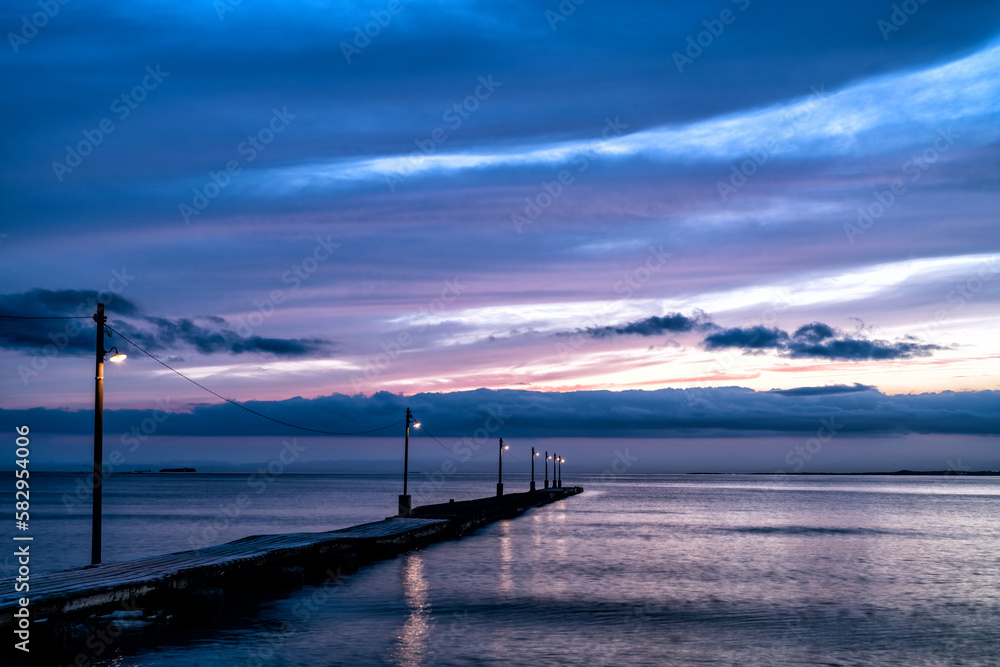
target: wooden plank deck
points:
(72, 590)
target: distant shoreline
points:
(898, 473)
(950, 473)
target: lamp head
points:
(416, 424)
(116, 356)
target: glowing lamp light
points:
(116, 356)
(416, 424)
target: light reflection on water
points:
(658, 570)
(412, 647)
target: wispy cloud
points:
(826, 123)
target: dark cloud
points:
(859, 349)
(814, 332)
(817, 340)
(76, 336)
(480, 416)
(55, 303)
(752, 338)
(169, 334)
(653, 326)
(68, 335)
(824, 391)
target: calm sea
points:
(638, 570)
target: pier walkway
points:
(191, 585)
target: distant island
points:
(178, 470)
(966, 473)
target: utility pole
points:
(532, 469)
(404, 500)
(500, 476)
(546, 469)
(98, 473)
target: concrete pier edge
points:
(71, 607)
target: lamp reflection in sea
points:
(411, 648)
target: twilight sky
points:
(792, 206)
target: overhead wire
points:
(229, 400)
(243, 407)
(47, 317)
(424, 429)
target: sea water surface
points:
(637, 570)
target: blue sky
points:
(613, 204)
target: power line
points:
(34, 317)
(424, 429)
(510, 453)
(229, 400)
(243, 407)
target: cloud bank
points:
(684, 413)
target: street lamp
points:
(404, 500)
(97, 477)
(561, 461)
(500, 477)
(533, 455)
(547, 457)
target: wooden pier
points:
(191, 586)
